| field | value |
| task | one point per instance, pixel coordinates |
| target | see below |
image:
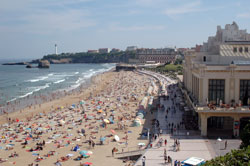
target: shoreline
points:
(68, 95)
(40, 93)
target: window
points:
(216, 90)
(235, 49)
(246, 49)
(240, 49)
(244, 91)
(204, 59)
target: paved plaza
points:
(191, 143)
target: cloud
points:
(243, 15)
(49, 22)
(42, 17)
(115, 27)
(148, 3)
(184, 9)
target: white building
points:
(131, 48)
(217, 81)
(115, 50)
(104, 50)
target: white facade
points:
(230, 33)
(217, 79)
(131, 48)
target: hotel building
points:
(160, 55)
(216, 81)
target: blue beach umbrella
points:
(102, 139)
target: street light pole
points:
(219, 140)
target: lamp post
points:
(148, 133)
(219, 140)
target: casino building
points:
(216, 82)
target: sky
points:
(31, 28)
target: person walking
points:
(113, 150)
(165, 142)
(165, 159)
(143, 161)
(226, 144)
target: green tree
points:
(239, 157)
(245, 136)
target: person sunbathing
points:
(78, 158)
(64, 158)
(25, 143)
(39, 159)
(2, 160)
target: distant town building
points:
(131, 48)
(104, 50)
(93, 51)
(115, 50)
(198, 48)
(217, 82)
(160, 55)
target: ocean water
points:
(18, 83)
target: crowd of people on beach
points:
(76, 132)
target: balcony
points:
(218, 109)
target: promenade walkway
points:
(190, 146)
(191, 143)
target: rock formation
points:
(43, 64)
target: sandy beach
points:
(82, 127)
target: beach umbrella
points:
(28, 129)
(90, 152)
(83, 152)
(99, 111)
(28, 138)
(102, 139)
(87, 163)
(62, 122)
(141, 144)
(112, 131)
(106, 120)
(117, 138)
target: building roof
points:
(238, 42)
(238, 62)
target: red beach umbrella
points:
(87, 163)
(28, 138)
